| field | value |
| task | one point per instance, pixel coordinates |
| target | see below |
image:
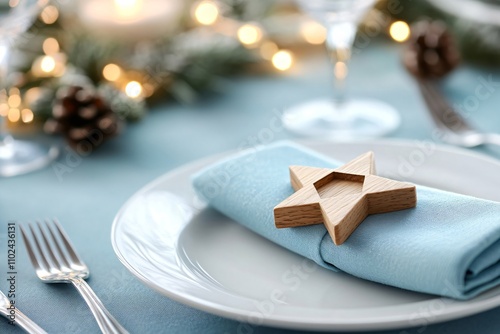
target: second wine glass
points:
(338, 117)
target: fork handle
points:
(492, 139)
(27, 324)
(107, 323)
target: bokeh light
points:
(206, 12)
(48, 64)
(14, 101)
(27, 116)
(399, 31)
(111, 72)
(133, 89)
(49, 14)
(340, 70)
(249, 34)
(14, 115)
(50, 46)
(282, 60)
(313, 32)
(4, 109)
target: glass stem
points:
(339, 41)
(6, 151)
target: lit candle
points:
(127, 9)
(131, 19)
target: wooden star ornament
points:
(341, 198)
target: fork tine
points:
(56, 242)
(41, 260)
(69, 247)
(29, 248)
(60, 250)
(52, 256)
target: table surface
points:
(86, 198)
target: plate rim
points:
(280, 321)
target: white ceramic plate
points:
(193, 254)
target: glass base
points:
(350, 120)
(20, 157)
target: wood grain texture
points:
(341, 198)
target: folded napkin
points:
(448, 245)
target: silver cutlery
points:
(432, 54)
(19, 318)
(454, 127)
(56, 261)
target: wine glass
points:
(17, 156)
(338, 117)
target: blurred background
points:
(129, 56)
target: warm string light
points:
(48, 64)
(133, 89)
(206, 12)
(53, 65)
(14, 115)
(282, 60)
(14, 101)
(399, 31)
(27, 115)
(11, 105)
(111, 72)
(127, 81)
(249, 34)
(49, 14)
(313, 32)
(50, 46)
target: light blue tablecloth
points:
(86, 199)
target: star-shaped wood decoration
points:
(341, 198)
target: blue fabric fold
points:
(448, 245)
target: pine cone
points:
(83, 118)
(431, 52)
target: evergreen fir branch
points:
(90, 55)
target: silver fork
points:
(455, 128)
(18, 317)
(56, 261)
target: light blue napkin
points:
(448, 245)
